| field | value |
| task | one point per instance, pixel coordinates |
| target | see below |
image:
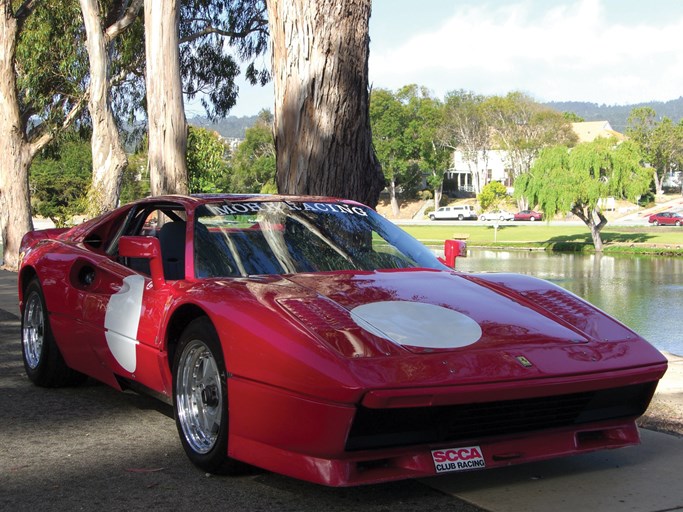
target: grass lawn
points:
(658, 240)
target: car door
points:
(121, 312)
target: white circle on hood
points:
(417, 324)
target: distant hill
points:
(231, 127)
(617, 115)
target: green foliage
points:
(253, 162)
(660, 142)
(217, 35)
(59, 179)
(563, 180)
(51, 63)
(206, 161)
(572, 117)
(492, 195)
(135, 183)
(523, 127)
(404, 133)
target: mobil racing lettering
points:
(458, 459)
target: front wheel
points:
(460, 217)
(655, 223)
(43, 362)
(482, 217)
(200, 398)
(678, 222)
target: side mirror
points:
(144, 247)
(453, 249)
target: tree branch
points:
(46, 137)
(259, 24)
(25, 10)
(124, 21)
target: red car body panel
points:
(311, 389)
(666, 219)
(528, 215)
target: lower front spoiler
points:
(378, 466)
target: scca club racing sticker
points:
(465, 458)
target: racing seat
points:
(172, 242)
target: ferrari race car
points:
(311, 337)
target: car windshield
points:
(256, 238)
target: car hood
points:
(480, 327)
(335, 335)
(425, 311)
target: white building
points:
(493, 164)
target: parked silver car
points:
(497, 215)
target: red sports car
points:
(311, 337)
(666, 219)
(528, 215)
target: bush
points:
(60, 178)
(492, 195)
(425, 195)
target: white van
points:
(465, 212)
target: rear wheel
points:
(460, 217)
(43, 361)
(200, 398)
(678, 222)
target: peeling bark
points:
(322, 123)
(15, 152)
(108, 157)
(167, 122)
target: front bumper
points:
(393, 433)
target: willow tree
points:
(574, 180)
(320, 71)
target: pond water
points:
(645, 293)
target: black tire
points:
(200, 398)
(482, 218)
(432, 217)
(678, 222)
(460, 217)
(532, 219)
(655, 223)
(43, 362)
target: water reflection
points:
(645, 293)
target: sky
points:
(611, 52)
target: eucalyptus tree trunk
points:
(108, 157)
(322, 124)
(15, 152)
(393, 198)
(167, 131)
